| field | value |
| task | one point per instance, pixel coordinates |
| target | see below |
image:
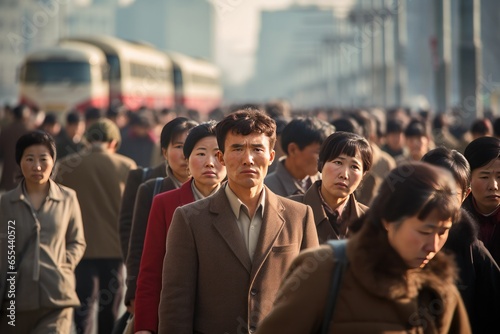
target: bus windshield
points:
(56, 71)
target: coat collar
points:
(56, 193)
(352, 210)
(225, 223)
(287, 180)
(378, 267)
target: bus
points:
(117, 73)
(139, 75)
(67, 76)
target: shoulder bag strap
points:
(341, 262)
(145, 174)
(157, 188)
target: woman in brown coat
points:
(344, 159)
(397, 281)
(41, 242)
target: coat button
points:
(253, 329)
(253, 292)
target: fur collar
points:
(378, 268)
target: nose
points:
(494, 184)
(343, 173)
(432, 243)
(248, 158)
(210, 161)
(37, 165)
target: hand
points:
(143, 332)
(131, 307)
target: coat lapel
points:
(272, 225)
(225, 224)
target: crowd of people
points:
(220, 223)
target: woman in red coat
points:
(207, 174)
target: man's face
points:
(247, 159)
(306, 160)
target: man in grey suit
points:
(301, 141)
(227, 254)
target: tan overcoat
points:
(210, 284)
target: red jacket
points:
(147, 296)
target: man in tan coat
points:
(227, 254)
(98, 176)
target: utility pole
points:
(470, 68)
(442, 54)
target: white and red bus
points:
(115, 72)
(139, 75)
(64, 77)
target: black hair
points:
(249, 119)
(174, 128)
(37, 137)
(452, 161)
(347, 143)
(481, 151)
(304, 132)
(196, 134)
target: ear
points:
(385, 224)
(467, 192)
(220, 157)
(164, 153)
(272, 155)
(112, 145)
(292, 149)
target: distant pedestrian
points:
(98, 175)
(301, 140)
(483, 155)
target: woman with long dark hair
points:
(397, 280)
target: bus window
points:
(114, 68)
(42, 72)
(177, 78)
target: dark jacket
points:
(493, 245)
(142, 207)
(134, 180)
(479, 275)
(352, 211)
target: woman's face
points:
(37, 164)
(417, 241)
(485, 186)
(204, 165)
(342, 175)
(175, 157)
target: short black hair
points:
(73, 117)
(174, 128)
(347, 143)
(249, 119)
(305, 131)
(481, 151)
(452, 161)
(416, 128)
(196, 134)
(37, 137)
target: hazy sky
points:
(237, 28)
